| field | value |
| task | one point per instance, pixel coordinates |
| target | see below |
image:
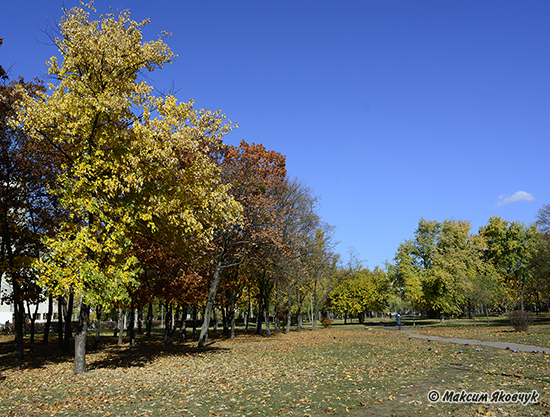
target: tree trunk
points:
(232, 312)
(149, 320)
(225, 317)
(80, 339)
(117, 321)
(173, 325)
(259, 318)
(33, 320)
(248, 314)
(314, 313)
(18, 325)
(60, 342)
(131, 321)
(183, 324)
(139, 320)
(48, 320)
(194, 319)
(210, 304)
(19, 308)
(289, 313)
(266, 315)
(215, 319)
(167, 323)
(97, 330)
(120, 326)
(68, 323)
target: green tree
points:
(407, 276)
(440, 268)
(511, 248)
(364, 291)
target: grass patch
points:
(341, 370)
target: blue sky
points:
(390, 110)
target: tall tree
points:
(131, 163)
(440, 267)
(254, 174)
(26, 212)
(511, 247)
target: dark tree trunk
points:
(232, 312)
(183, 325)
(149, 320)
(289, 313)
(194, 318)
(60, 302)
(18, 325)
(48, 321)
(139, 320)
(167, 323)
(33, 321)
(174, 325)
(80, 339)
(19, 308)
(116, 313)
(248, 314)
(68, 323)
(259, 318)
(121, 315)
(266, 313)
(225, 316)
(97, 330)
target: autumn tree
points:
(442, 268)
(365, 291)
(541, 262)
(253, 173)
(408, 276)
(131, 163)
(299, 222)
(511, 248)
(26, 211)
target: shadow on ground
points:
(107, 355)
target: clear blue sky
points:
(390, 110)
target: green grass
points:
(342, 370)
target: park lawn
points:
(343, 370)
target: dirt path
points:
(499, 345)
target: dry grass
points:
(335, 371)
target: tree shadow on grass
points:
(109, 355)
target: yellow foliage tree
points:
(128, 162)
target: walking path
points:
(498, 345)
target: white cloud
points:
(514, 198)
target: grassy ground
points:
(343, 370)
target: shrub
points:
(521, 320)
(326, 322)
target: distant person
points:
(399, 321)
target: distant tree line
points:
(446, 270)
